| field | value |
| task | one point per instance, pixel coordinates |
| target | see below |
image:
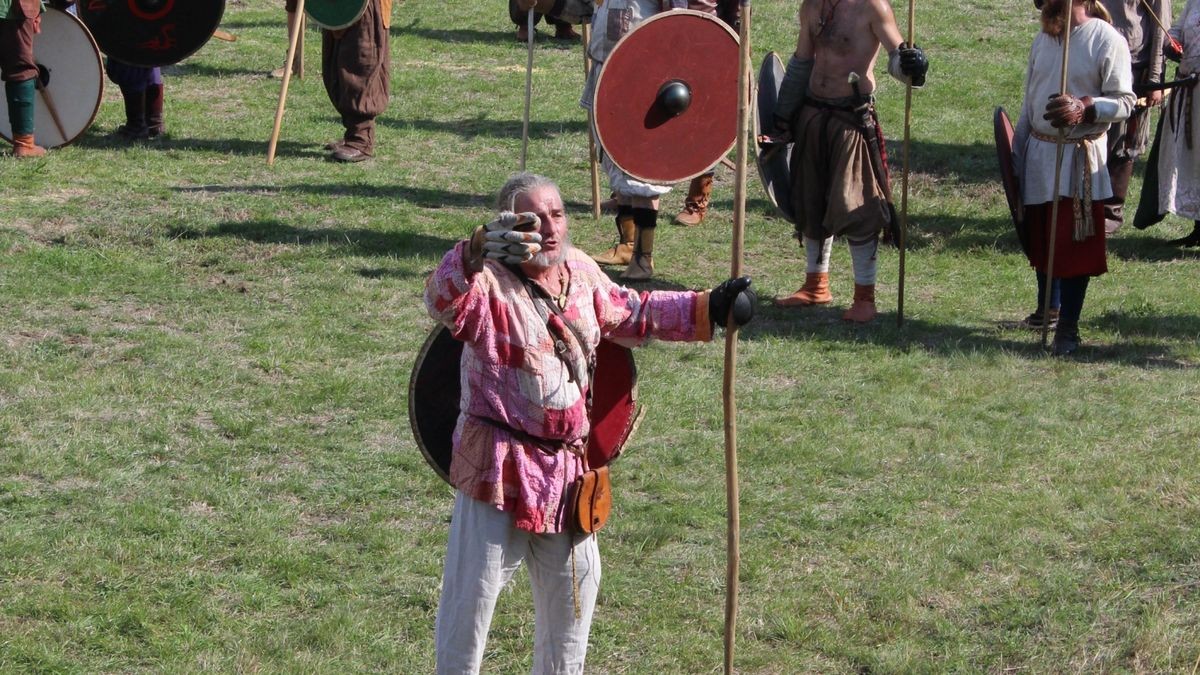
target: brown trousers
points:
(16, 43)
(355, 66)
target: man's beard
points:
(547, 260)
(1052, 17)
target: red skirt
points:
(1087, 258)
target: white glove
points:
(512, 238)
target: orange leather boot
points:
(622, 251)
(863, 308)
(24, 147)
(695, 206)
(815, 291)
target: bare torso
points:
(843, 37)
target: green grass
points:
(205, 459)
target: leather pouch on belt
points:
(591, 500)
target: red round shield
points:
(1003, 129)
(434, 391)
(641, 135)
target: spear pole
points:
(1059, 143)
(912, 13)
(293, 41)
(593, 162)
(529, 22)
(733, 552)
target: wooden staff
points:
(298, 64)
(49, 101)
(528, 90)
(1059, 143)
(912, 13)
(733, 551)
(593, 160)
(293, 40)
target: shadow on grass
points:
(350, 242)
(480, 125)
(505, 34)
(824, 324)
(1148, 245)
(100, 140)
(423, 197)
(974, 163)
(202, 69)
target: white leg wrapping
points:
(865, 263)
(817, 252)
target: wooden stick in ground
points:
(528, 90)
(903, 243)
(593, 159)
(293, 39)
(733, 536)
(1058, 160)
(298, 64)
(49, 101)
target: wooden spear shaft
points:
(733, 551)
(528, 89)
(293, 40)
(1060, 142)
(593, 162)
(912, 13)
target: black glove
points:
(736, 293)
(913, 64)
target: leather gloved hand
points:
(913, 63)
(734, 293)
(1173, 50)
(512, 238)
(1065, 110)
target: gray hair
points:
(521, 184)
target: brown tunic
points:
(16, 41)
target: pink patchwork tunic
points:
(512, 379)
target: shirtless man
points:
(839, 162)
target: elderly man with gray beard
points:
(531, 310)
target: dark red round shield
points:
(1003, 130)
(434, 391)
(639, 133)
(151, 33)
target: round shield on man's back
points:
(1003, 130)
(335, 14)
(151, 33)
(70, 82)
(666, 101)
(773, 161)
(434, 393)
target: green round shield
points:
(335, 14)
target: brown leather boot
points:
(863, 308)
(622, 251)
(641, 266)
(815, 291)
(695, 206)
(24, 147)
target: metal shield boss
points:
(666, 102)
(1003, 129)
(70, 82)
(335, 14)
(434, 391)
(774, 161)
(151, 33)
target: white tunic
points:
(1179, 167)
(1098, 67)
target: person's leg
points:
(564, 571)
(1066, 337)
(483, 552)
(641, 263)
(866, 266)
(19, 72)
(1034, 320)
(154, 105)
(695, 205)
(815, 290)
(622, 251)
(1192, 239)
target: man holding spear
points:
(839, 163)
(1076, 85)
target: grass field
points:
(205, 456)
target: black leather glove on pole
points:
(734, 293)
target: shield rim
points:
(1003, 131)
(328, 26)
(82, 8)
(787, 212)
(436, 333)
(6, 133)
(600, 80)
